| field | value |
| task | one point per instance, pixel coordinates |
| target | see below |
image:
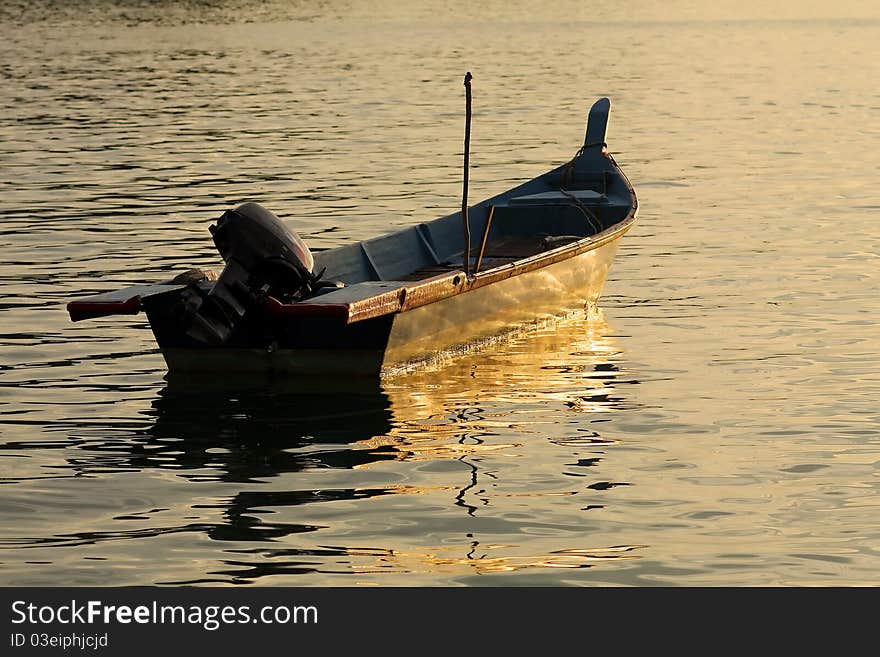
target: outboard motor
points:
(263, 257)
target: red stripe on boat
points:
(79, 310)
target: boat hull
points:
(383, 345)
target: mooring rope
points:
(592, 219)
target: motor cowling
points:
(263, 258)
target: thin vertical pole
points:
(464, 195)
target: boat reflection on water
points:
(253, 429)
(449, 425)
(250, 432)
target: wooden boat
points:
(544, 248)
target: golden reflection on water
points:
(444, 408)
(485, 405)
(480, 561)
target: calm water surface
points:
(716, 422)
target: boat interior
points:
(563, 206)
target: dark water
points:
(716, 423)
